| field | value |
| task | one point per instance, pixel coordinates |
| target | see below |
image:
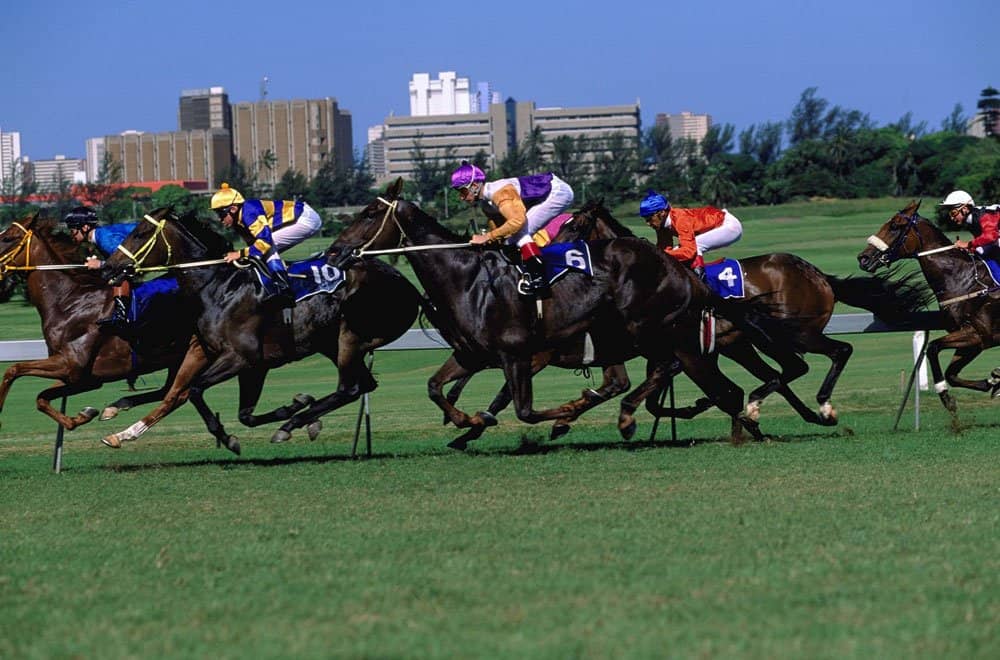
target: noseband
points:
(890, 253)
(390, 211)
(140, 255)
(10, 255)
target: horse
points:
(963, 286)
(70, 299)
(635, 304)
(242, 333)
(795, 289)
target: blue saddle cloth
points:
(560, 258)
(309, 277)
(994, 269)
(725, 277)
(146, 296)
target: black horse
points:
(239, 332)
(636, 304)
(969, 301)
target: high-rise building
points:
(484, 97)
(275, 136)
(10, 154)
(95, 150)
(375, 151)
(686, 125)
(447, 95)
(203, 109)
(52, 174)
(198, 155)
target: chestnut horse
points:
(635, 304)
(241, 333)
(965, 291)
(70, 301)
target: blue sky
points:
(74, 70)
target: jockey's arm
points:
(687, 247)
(991, 231)
(513, 210)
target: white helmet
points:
(957, 198)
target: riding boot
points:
(698, 266)
(533, 280)
(283, 288)
(119, 315)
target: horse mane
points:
(50, 230)
(595, 208)
(191, 224)
(426, 217)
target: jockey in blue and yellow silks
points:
(268, 227)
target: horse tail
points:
(762, 321)
(890, 297)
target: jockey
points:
(268, 227)
(982, 221)
(83, 226)
(697, 230)
(524, 204)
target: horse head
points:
(375, 227)
(32, 242)
(903, 236)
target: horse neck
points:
(445, 274)
(52, 291)
(948, 272)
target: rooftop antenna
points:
(263, 88)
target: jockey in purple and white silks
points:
(525, 204)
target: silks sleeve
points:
(510, 205)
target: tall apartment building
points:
(203, 109)
(685, 125)
(375, 151)
(198, 155)
(484, 97)
(299, 135)
(94, 157)
(447, 95)
(10, 154)
(51, 174)
(462, 136)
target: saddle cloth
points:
(560, 258)
(725, 277)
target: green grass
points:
(853, 541)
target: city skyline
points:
(742, 65)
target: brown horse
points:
(969, 300)
(70, 301)
(649, 306)
(795, 289)
(240, 331)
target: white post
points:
(918, 344)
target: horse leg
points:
(518, 371)
(449, 371)
(43, 403)
(251, 387)
(354, 380)
(212, 421)
(792, 367)
(727, 395)
(839, 353)
(126, 402)
(54, 367)
(965, 341)
(194, 361)
(615, 381)
(656, 375)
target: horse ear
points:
(392, 192)
(917, 207)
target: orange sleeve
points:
(512, 208)
(687, 248)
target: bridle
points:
(891, 253)
(23, 245)
(139, 256)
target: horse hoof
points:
(112, 441)
(559, 430)
(459, 444)
(232, 443)
(314, 429)
(303, 400)
(88, 413)
(281, 435)
(628, 430)
(489, 419)
(109, 413)
(753, 410)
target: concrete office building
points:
(375, 151)
(462, 136)
(200, 155)
(686, 125)
(447, 95)
(299, 135)
(204, 109)
(52, 174)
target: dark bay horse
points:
(240, 334)
(70, 302)
(651, 308)
(795, 289)
(966, 294)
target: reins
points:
(140, 255)
(24, 245)
(391, 212)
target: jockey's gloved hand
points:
(116, 275)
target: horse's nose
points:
(864, 261)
